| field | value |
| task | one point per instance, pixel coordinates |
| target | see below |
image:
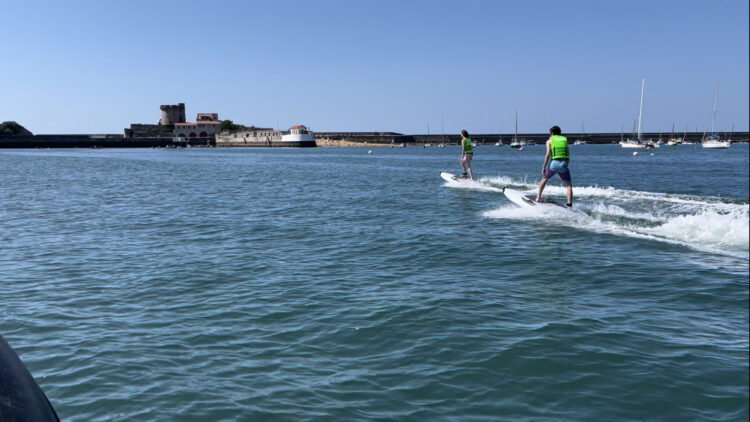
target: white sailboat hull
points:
(713, 141)
(631, 144)
(715, 144)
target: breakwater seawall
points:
(99, 141)
(505, 138)
(386, 138)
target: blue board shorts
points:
(559, 167)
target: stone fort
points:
(171, 114)
(173, 123)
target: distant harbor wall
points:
(504, 138)
(388, 138)
(98, 141)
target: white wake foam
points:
(700, 222)
(707, 228)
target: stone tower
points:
(171, 114)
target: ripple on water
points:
(167, 285)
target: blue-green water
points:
(337, 284)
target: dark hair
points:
(464, 133)
(555, 130)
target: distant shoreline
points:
(333, 139)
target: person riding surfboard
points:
(467, 154)
(558, 157)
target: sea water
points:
(356, 284)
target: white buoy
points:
(652, 153)
(635, 152)
(369, 152)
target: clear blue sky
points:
(97, 66)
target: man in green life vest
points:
(466, 154)
(557, 157)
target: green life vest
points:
(467, 146)
(558, 147)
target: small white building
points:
(299, 134)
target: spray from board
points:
(701, 222)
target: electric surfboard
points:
(450, 177)
(527, 200)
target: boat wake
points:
(706, 223)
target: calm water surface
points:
(338, 284)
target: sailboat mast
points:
(640, 109)
(713, 110)
(516, 123)
(442, 129)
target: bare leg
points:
(541, 189)
(569, 193)
(463, 163)
(468, 164)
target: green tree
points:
(228, 126)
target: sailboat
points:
(713, 141)
(674, 141)
(442, 132)
(516, 142)
(499, 142)
(637, 142)
(582, 137)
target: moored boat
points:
(638, 141)
(714, 141)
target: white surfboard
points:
(450, 177)
(527, 200)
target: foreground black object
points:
(21, 399)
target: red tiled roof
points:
(214, 122)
